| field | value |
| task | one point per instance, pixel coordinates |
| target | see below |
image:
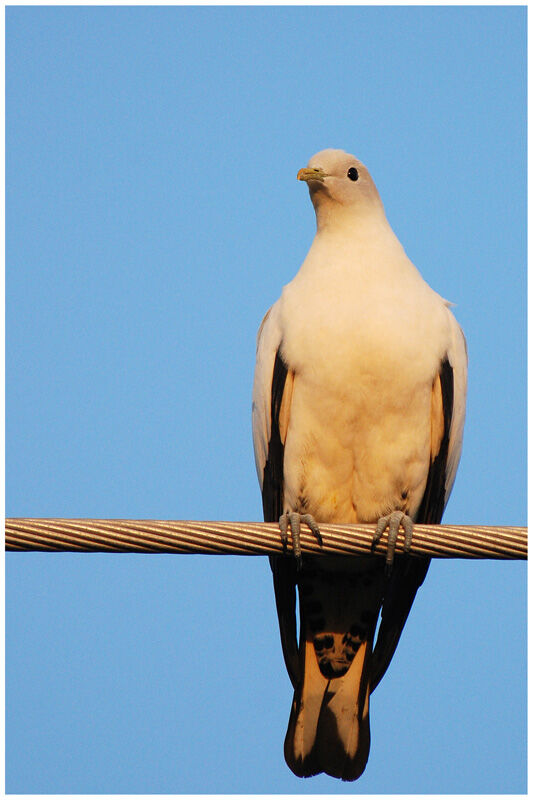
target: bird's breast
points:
(359, 334)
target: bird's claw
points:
(293, 520)
(393, 522)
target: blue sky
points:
(152, 216)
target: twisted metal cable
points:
(253, 538)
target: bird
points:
(358, 410)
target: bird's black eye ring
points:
(353, 174)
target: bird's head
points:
(340, 186)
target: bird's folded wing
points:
(271, 405)
(448, 403)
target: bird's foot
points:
(393, 522)
(293, 520)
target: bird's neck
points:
(333, 217)
(365, 231)
(360, 248)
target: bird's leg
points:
(393, 522)
(293, 520)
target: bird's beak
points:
(311, 174)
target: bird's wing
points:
(458, 357)
(271, 404)
(266, 346)
(448, 405)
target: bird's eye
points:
(353, 174)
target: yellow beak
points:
(311, 174)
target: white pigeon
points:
(358, 411)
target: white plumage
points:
(358, 411)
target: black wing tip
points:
(272, 493)
(431, 508)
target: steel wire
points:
(252, 538)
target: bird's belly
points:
(357, 453)
(359, 433)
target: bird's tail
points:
(329, 728)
